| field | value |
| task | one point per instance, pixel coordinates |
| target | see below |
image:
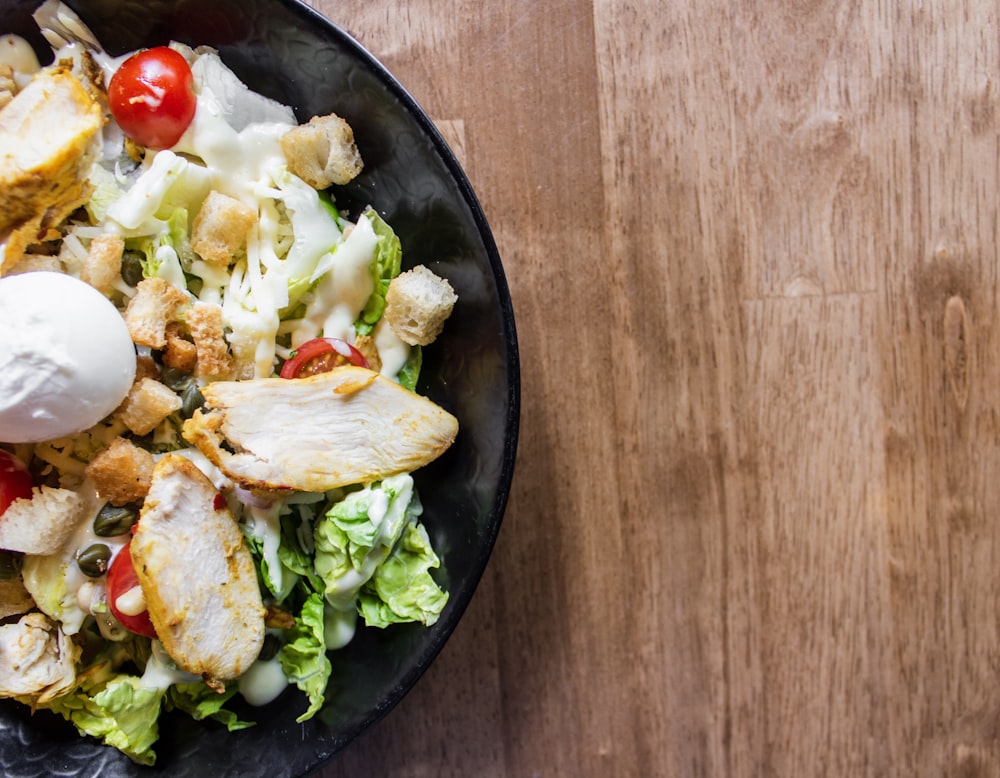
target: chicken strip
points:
(197, 574)
(47, 135)
(347, 426)
(37, 659)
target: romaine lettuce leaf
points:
(402, 588)
(386, 266)
(303, 659)
(357, 534)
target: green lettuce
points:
(303, 659)
(402, 588)
(200, 702)
(386, 266)
(358, 533)
(117, 709)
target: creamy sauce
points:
(132, 602)
(16, 52)
(263, 682)
(339, 626)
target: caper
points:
(272, 644)
(114, 520)
(93, 560)
(191, 400)
(10, 565)
(176, 379)
(132, 267)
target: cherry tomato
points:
(121, 578)
(152, 98)
(15, 480)
(321, 355)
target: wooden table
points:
(755, 525)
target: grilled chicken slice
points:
(48, 133)
(348, 426)
(36, 659)
(197, 574)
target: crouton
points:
(220, 229)
(122, 472)
(14, 598)
(30, 263)
(322, 151)
(366, 345)
(104, 262)
(42, 523)
(205, 323)
(417, 304)
(148, 403)
(180, 353)
(156, 303)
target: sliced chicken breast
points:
(36, 659)
(47, 134)
(197, 574)
(348, 426)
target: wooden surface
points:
(755, 525)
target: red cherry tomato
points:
(321, 355)
(121, 578)
(152, 98)
(15, 480)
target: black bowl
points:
(289, 52)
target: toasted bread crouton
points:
(180, 353)
(104, 262)
(31, 263)
(366, 345)
(417, 304)
(220, 229)
(121, 473)
(37, 659)
(204, 320)
(42, 523)
(197, 574)
(322, 151)
(148, 403)
(156, 303)
(14, 598)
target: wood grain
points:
(752, 248)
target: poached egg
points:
(66, 357)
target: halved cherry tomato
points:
(15, 480)
(121, 578)
(152, 98)
(321, 355)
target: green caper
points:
(113, 520)
(191, 400)
(272, 644)
(176, 379)
(10, 565)
(93, 560)
(132, 267)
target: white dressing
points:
(263, 682)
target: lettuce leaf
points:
(358, 533)
(120, 712)
(402, 588)
(303, 659)
(200, 703)
(386, 266)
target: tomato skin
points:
(152, 98)
(15, 480)
(121, 578)
(320, 355)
